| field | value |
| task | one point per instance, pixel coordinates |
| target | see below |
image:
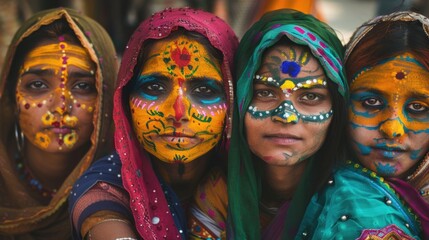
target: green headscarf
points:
(244, 181)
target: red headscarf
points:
(148, 204)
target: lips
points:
(389, 151)
(282, 139)
(61, 130)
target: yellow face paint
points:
(56, 80)
(396, 89)
(389, 116)
(178, 103)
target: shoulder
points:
(106, 169)
(354, 200)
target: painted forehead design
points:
(291, 63)
(185, 58)
(409, 68)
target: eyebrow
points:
(378, 92)
(46, 72)
(39, 72)
(217, 82)
(152, 77)
(80, 74)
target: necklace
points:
(35, 184)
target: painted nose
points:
(392, 128)
(179, 108)
(62, 102)
(285, 117)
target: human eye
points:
(151, 87)
(84, 87)
(207, 93)
(372, 102)
(36, 85)
(311, 97)
(264, 92)
(417, 108)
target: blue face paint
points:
(364, 150)
(419, 116)
(360, 97)
(141, 82)
(385, 170)
(415, 155)
(206, 91)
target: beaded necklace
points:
(26, 175)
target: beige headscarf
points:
(21, 215)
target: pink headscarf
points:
(147, 201)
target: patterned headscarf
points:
(20, 212)
(244, 186)
(420, 177)
(148, 203)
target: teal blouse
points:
(354, 200)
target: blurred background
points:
(121, 17)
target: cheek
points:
(319, 132)
(252, 127)
(211, 118)
(419, 144)
(139, 118)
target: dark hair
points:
(388, 39)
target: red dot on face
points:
(27, 106)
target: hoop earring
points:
(19, 137)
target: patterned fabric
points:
(21, 215)
(356, 202)
(208, 213)
(156, 210)
(243, 177)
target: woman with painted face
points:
(381, 191)
(289, 116)
(172, 116)
(56, 119)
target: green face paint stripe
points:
(201, 118)
(181, 158)
(154, 113)
(192, 72)
(211, 63)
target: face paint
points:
(56, 96)
(286, 110)
(178, 103)
(389, 120)
(290, 112)
(283, 74)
